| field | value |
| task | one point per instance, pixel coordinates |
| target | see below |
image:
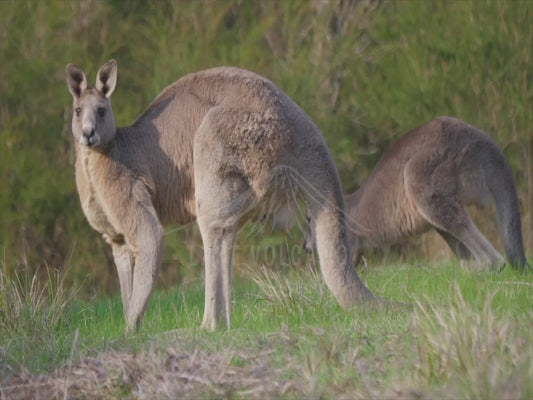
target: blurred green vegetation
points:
(365, 71)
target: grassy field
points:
(365, 71)
(454, 333)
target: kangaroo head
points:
(93, 122)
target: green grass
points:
(365, 71)
(460, 331)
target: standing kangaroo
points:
(426, 180)
(212, 146)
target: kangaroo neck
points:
(96, 163)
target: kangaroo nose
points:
(88, 133)
(88, 136)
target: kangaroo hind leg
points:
(458, 248)
(457, 222)
(223, 196)
(219, 241)
(220, 207)
(432, 188)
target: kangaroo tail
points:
(326, 207)
(503, 188)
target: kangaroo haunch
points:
(212, 146)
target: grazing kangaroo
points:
(212, 146)
(426, 180)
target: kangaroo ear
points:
(106, 79)
(76, 80)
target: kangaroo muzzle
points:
(89, 137)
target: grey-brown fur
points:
(212, 146)
(426, 180)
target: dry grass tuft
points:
(479, 353)
(32, 305)
(290, 292)
(35, 318)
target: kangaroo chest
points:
(91, 198)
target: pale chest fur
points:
(91, 200)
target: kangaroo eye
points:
(77, 110)
(101, 111)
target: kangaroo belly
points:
(174, 202)
(97, 218)
(388, 220)
(399, 229)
